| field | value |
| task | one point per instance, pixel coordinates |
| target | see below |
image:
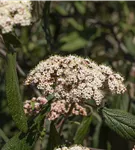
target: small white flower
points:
(13, 13)
(75, 147)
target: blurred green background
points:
(101, 31)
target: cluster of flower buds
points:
(73, 81)
(75, 147)
(14, 13)
(34, 106)
(59, 108)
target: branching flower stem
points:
(65, 118)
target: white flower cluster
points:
(13, 13)
(34, 106)
(75, 147)
(73, 81)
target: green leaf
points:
(130, 45)
(72, 42)
(13, 94)
(82, 130)
(97, 122)
(121, 122)
(75, 24)
(50, 97)
(16, 143)
(54, 138)
(61, 10)
(81, 8)
(12, 39)
(120, 101)
(26, 141)
(69, 37)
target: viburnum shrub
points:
(71, 89)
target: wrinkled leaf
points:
(121, 122)
(13, 94)
(82, 130)
(26, 141)
(16, 143)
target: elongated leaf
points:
(54, 138)
(12, 39)
(26, 141)
(16, 143)
(13, 94)
(75, 24)
(98, 124)
(82, 130)
(80, 6)
(121, 122)
(74, 45)
(72, 42)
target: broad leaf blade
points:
(82, 130)
(13, 94)
(121, 122)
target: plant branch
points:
(46, 28)
(66, 117)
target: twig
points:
(59, 124)
(63, 121)
(46, 28)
